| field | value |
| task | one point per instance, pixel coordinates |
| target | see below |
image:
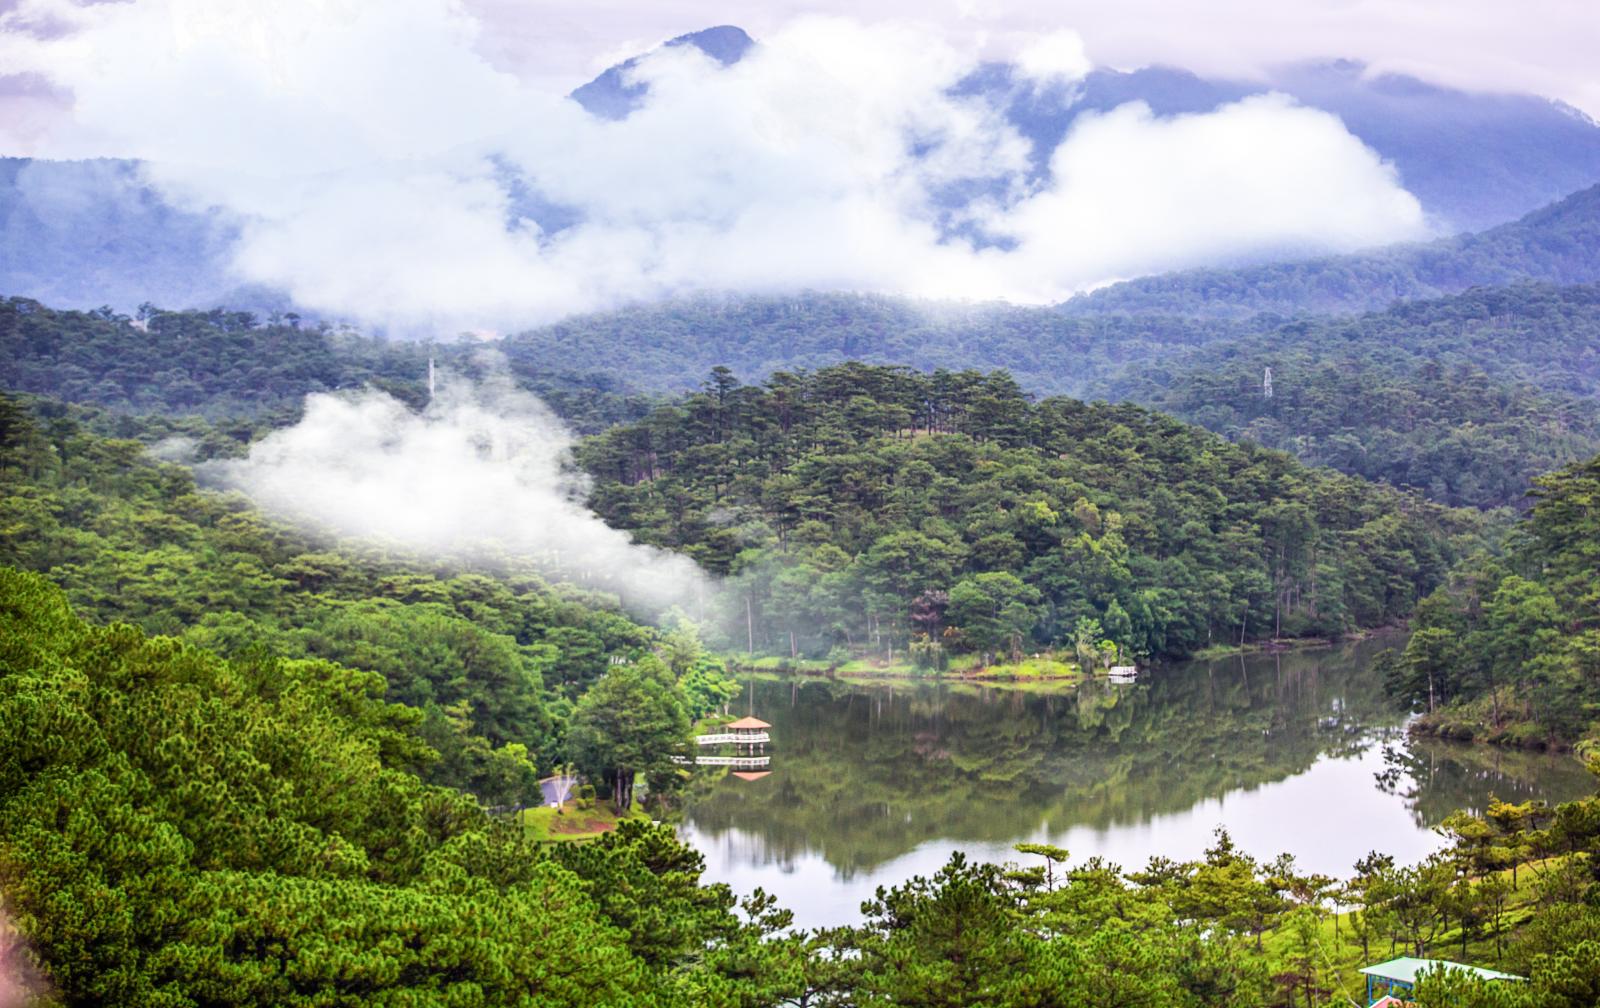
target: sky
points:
(385, 160)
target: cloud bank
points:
(479, 476)
(382, 169)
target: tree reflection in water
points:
(865, 774)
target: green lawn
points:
(572, 823)
(967, 666)
(1034, 668)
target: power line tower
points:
(1266, 384)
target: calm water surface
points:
(1298, 752)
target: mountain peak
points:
(612, 96)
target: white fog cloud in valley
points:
(478, 476)
(383, 169)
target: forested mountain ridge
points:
(1466, 398)
(666, 347)
(878, 507)
(1557, 244)
(233, 365)
(670, 346)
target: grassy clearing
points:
(1264, 647)
(778, 663)
(968, 666)
(547, 824)
(1037, 667)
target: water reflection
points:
(871, 784)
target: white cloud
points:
(1542, 47)
(366, 148)
(1056, 55)
(1259, 175)
(481, 475)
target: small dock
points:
(741, 762)
(733, 738)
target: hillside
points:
(876, 509)
(130, 539)
(177, 828)
(669, 347)
(1466, 398)
(89, 233)
(1508, 649)
(1557, 244)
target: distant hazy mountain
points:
(609, 96)
(1555, 244)
(1474, 160)
(83, 234)
(1071, 347)
(87, 233)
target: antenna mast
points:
(1266, 384)
(430, 379)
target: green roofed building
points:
(1398, 977)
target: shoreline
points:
(1045, 669)
(1058, 673)
(1481, 734)
(1284, 645)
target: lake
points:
(1300, 752)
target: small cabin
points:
(1392, 981)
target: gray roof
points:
(1406, 969)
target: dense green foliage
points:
(1509, 647)
(1557, 244)
(1465, 398)
(180, 830)
(492, 661)
(632, 721)
(873, 506)
(176, 829)
(1196, 932)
